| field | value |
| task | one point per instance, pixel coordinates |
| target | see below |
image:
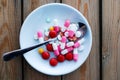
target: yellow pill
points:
(40, 50)
(51, 28)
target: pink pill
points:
(75, 57)
(64, 39)
(67, 23)
(70, 49)
(75, 54)
(57, 28)
(77, 44)
(59, 49)
(71, 33)
(56, 52)
(39, 34)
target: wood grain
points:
(10, 22)
(30, 73)
(111, 39)
(90, 69)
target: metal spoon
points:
(12, 54)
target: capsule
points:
(75, 54)
(55, 48)
(40, 36)
(69, 44)
(78, 43)
(65, 51)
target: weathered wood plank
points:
(90, 69)
(111, 39)
(10, 23)
(30, 73)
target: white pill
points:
(46, 33)
(59, 37)
(78, 34)
(55, 22)
(65, 51)
(63, 29)
(62, 45)
(54, 45)
(41, 40)
(69, 44)
(66, 34)
(35, 37)
(73, 27)
(81, 48)
(75, 51)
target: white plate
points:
(37, 21)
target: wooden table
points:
(103, 62)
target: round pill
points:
(49, 47)
(40, 50)
(52, 34)
(60, 58)
(45, 55)
(51, 28)
(53, 62)
(48, 20)
(69, 56)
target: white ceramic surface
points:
(36, 21)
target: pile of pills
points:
(66, 46)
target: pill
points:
(78, 34)
(51, 28)
(57, 28)
(40, 50)
(55, 48)
(59, 49)
(63, 29)
(78, 43)
(53, 62)
(75, 54)
(35, 37)
(59, 37)
(55, 22)
(69, 44)
(46, 33)
(48, 20)
(60, 58)
(69, 56)
(49, 47)
(45, 55)
(40, 36)
(66, 34)
(65, 51)
(71, 33)
(52, 34)
(67, 23)
(62, 45)
(73, 27)
(64, 39)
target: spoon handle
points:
(12, 54)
